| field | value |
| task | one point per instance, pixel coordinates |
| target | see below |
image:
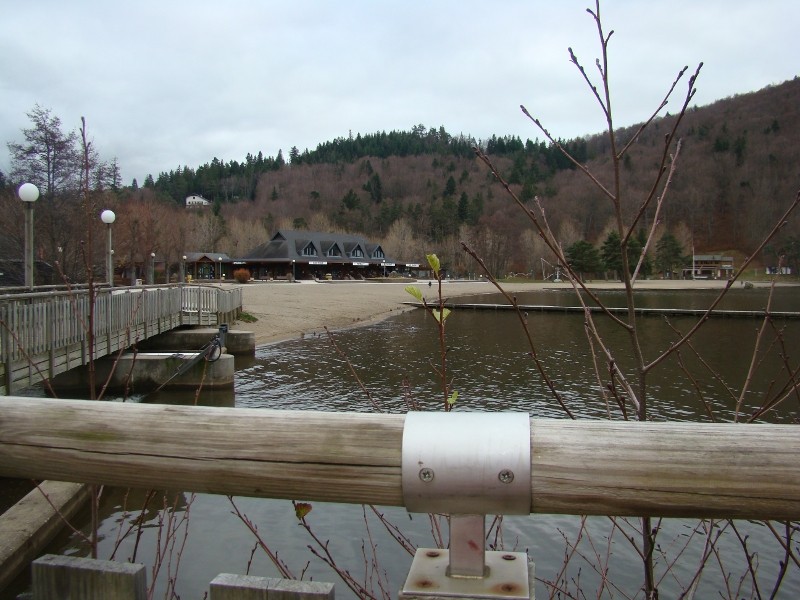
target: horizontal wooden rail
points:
(578, 467)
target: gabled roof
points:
(289, 244)
(372, 250)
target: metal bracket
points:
(510, 577)
(467, 463)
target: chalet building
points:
(318, 255)
(709, 266)
(196, 201)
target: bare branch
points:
(782, 222)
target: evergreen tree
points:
(611, 253)
(375, 188)
(669, 254)
(450, 187)
(635, 246)
(583, 258)
(351, 200)
(463, 207)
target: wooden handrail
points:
(578, 467)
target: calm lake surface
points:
(489, 361)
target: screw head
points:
(426, 475)
(506, 476)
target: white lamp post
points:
(220, 269)
(294, 277)
(28, 193)
(183, 270)
(108, 217)
(152, 268)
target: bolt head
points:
(506, 476)
(426, 475)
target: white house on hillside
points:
(196, 200)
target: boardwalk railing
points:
(44, 334)
(584, 467)
(558, 466)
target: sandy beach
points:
(291, 310)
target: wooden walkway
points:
(667, 312)
(44, 334)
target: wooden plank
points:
(249, 587)
(577, 467)
(66, 577)
(32, 523)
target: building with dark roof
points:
(207, 265)
(318, 255)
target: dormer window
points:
(309, 250)
(357, 252)
(333, 251)
(379, 254)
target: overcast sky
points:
(171, 83)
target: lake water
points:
(489, 362)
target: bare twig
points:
(283, 569)
(523, 321)
(375, 404)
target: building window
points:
(309, 250)
(379, 253)
(357, 252)
(333, 251)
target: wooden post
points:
(577, 467)
(249, 587)
(65, 577)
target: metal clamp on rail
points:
(467, 465)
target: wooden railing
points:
(577, 467)
(44, 334)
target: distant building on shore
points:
(290, 254)
(709, 266)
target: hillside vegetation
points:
(423, 190)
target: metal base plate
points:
(509, 577)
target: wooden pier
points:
(646, 312)
(44, 334)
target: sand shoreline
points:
(291, 310)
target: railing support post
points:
(470, 465)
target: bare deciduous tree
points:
(632, 213)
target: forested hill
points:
(738, 168)
(225, 182)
